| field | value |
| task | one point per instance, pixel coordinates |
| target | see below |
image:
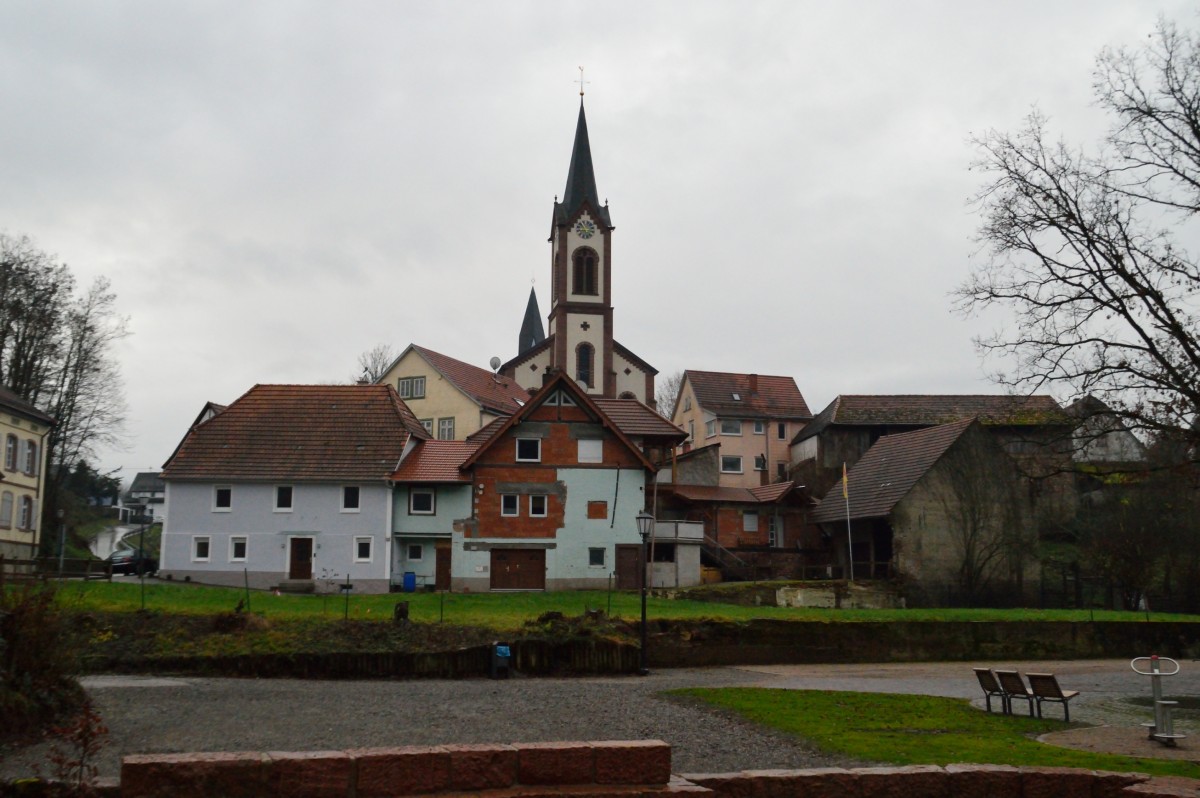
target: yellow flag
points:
(845, 484)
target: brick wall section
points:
(523, 770)
(638, 769)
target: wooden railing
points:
(45, 568)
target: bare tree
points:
(1084, 249)
(56, 353)
(666, 391)
(373, 363)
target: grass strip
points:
(510, 610)
(917, 730)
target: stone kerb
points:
(606, 769)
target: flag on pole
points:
(845, 483)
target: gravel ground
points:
(171, 715)
(147, 714)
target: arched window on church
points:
(585, 365)
(585, 271)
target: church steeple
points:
(532, 333)
(581, 178)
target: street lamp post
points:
(645, 525)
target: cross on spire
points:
(581, 81)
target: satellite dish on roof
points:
(494, 363)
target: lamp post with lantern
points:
(645, 525)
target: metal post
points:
(142, 567)
(643, 670)
(62, 542)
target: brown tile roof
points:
(436, 461)
(300, 433)
(764, 494)
(638, 420)
(775, 397)
(888, 471)
(486, 432)
(12, 403)
(927, 410)
(493, 392)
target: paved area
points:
(155, 714)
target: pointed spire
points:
(532, 332)
(581, 181)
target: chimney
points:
(753, 384)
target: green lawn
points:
(511, 610)
(917, 730)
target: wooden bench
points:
(1045, 688)
(991, 687)
(1014, 687)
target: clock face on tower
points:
(585, 228)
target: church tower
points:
(581, 311)
(579, 341)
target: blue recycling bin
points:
(410, 582)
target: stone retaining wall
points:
(610, 769)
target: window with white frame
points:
(446, 429)
(760, 462)
(731, 463)
(537, 505)
(749, 522)
(222, 498)
(237, 548)
(596, 557)
(731, 426)
(772, 531)
(781, 430)
(363, 547)
(6, 510)
(691, 430)
(591, 450)
(427, 423)
(760, 428)
(529, 450)
(350, 498)
(10, 453)
(411, 387)
(687, 403)
(710, 428)
(422, 501)
(283, 498)
(416, 552)
(201, 545)
(31, 458)
(510, 504)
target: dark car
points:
(132, 561)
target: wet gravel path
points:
(186, 714)
(147, 714)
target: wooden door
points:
(628, 557)
(518, 569)
(300, 558)
(441, 567)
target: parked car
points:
(132, 561)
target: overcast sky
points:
(275, 187)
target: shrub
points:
(37, 662)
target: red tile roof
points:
(638, 420)
(436, 461)
(300, 433)
(772, 397)
(486, 432)
(888, 471)
(494, 392)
